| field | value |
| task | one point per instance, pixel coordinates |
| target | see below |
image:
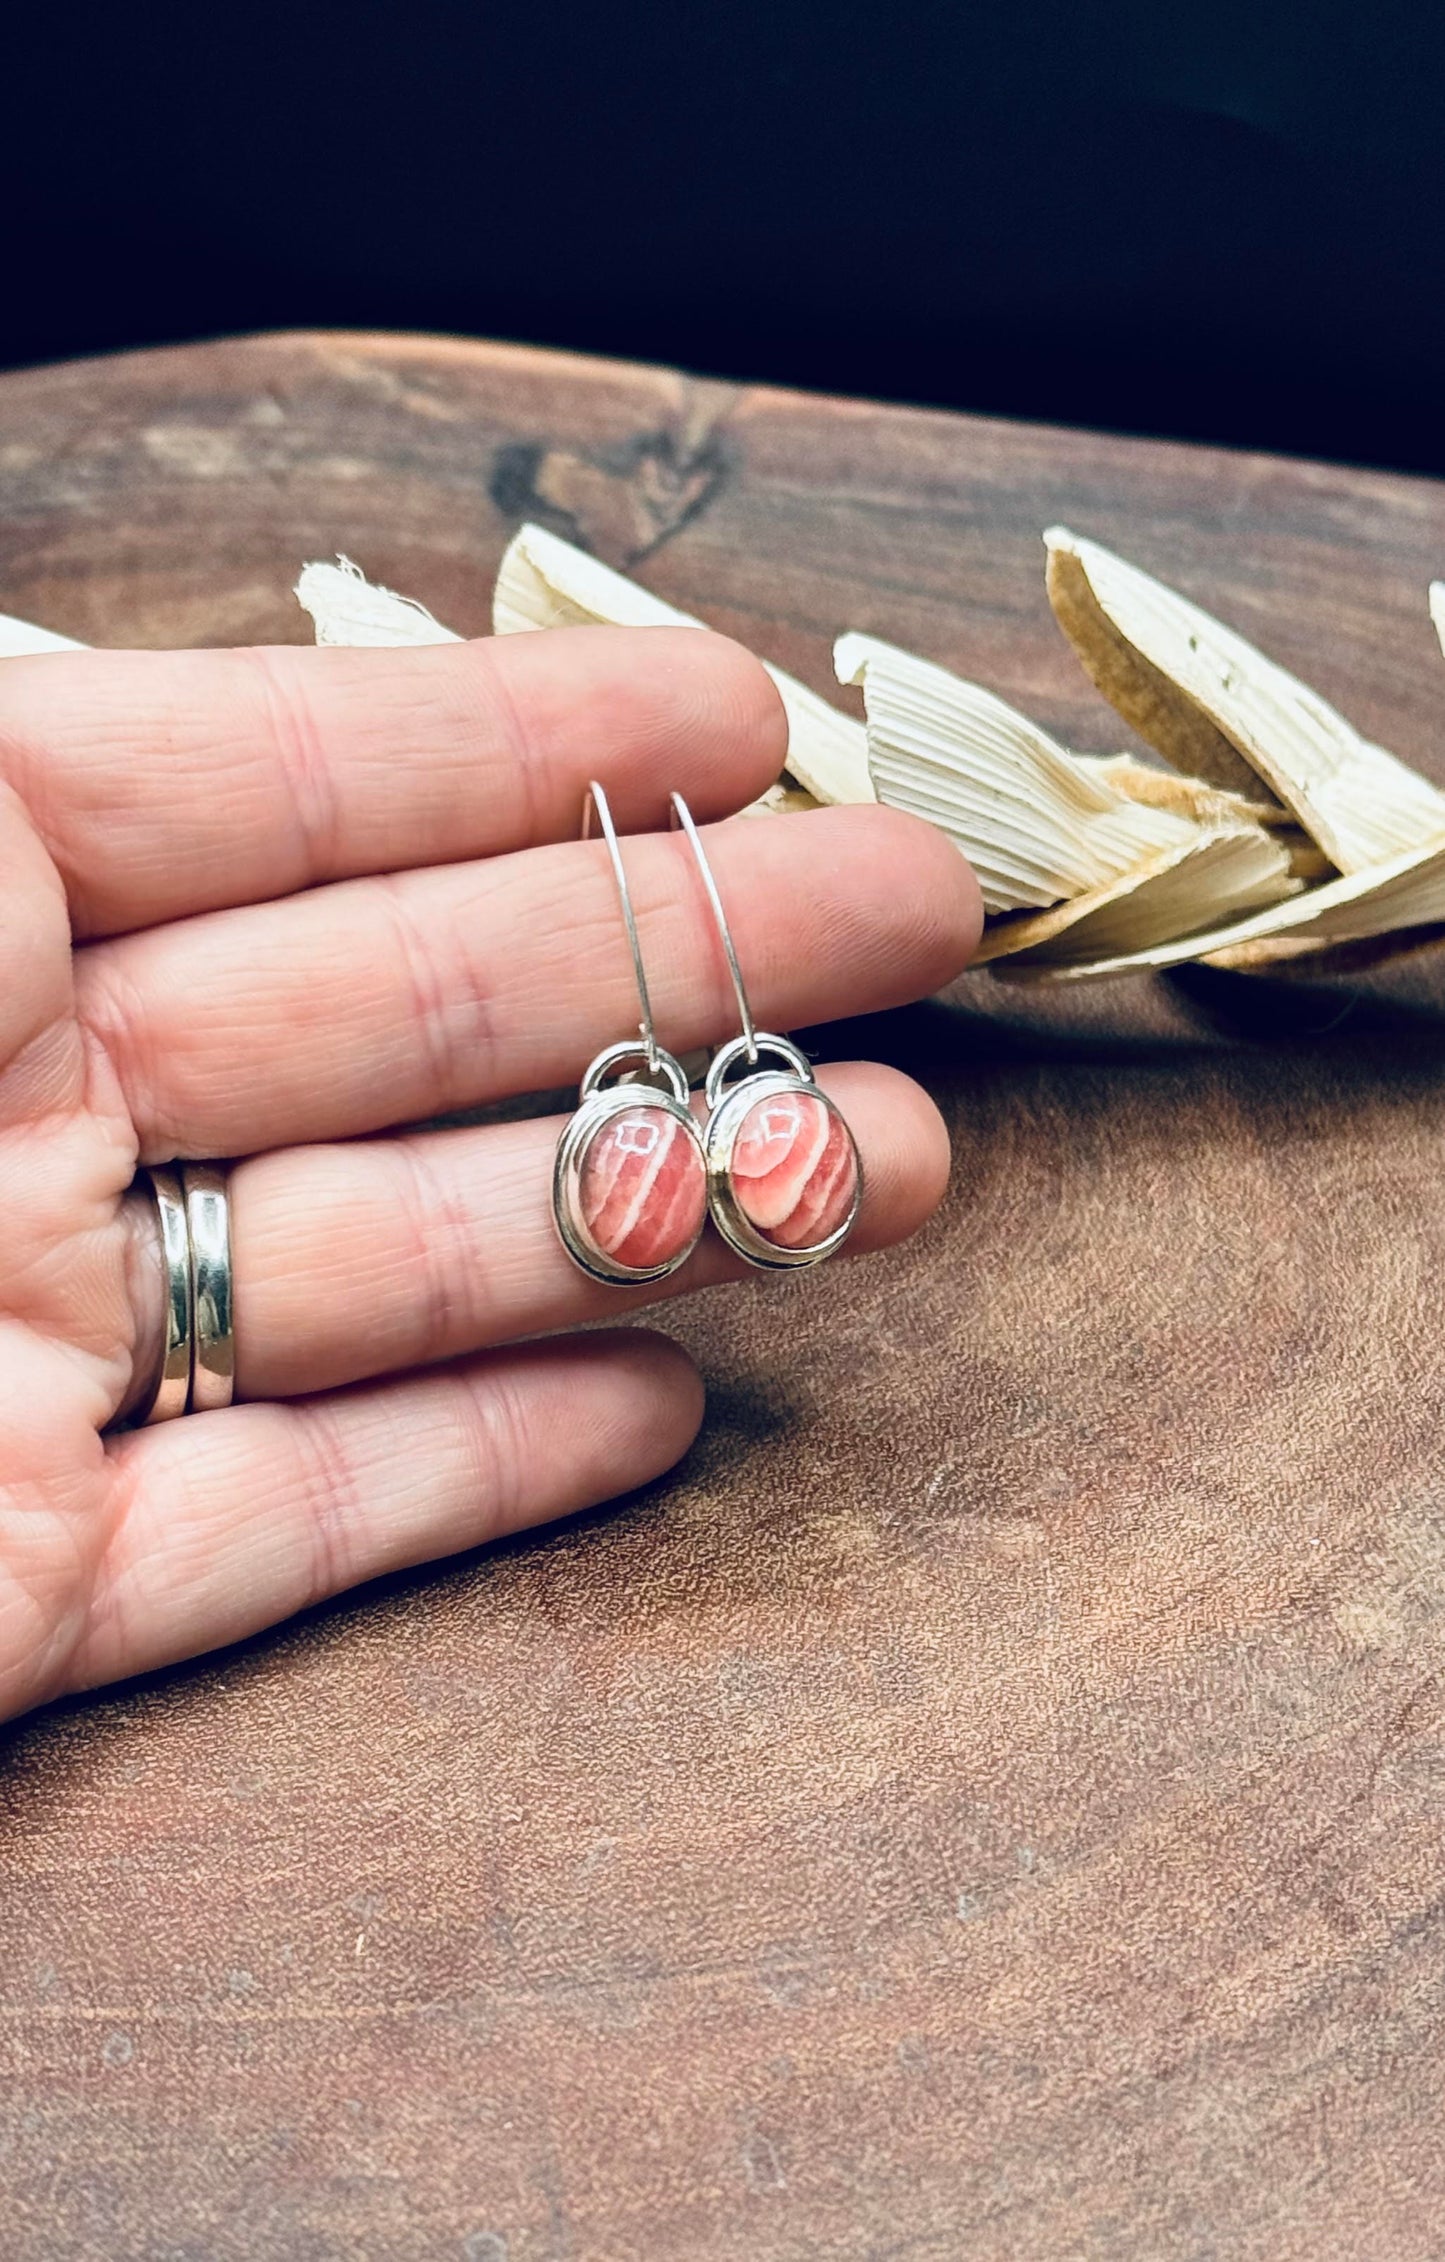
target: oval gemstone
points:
(794, 1169)
(641, 1189)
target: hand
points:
(257, 904)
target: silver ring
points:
(208, 1226)
(173, 1389)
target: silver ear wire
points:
(597, 800)
(682, 815)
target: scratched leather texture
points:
(988, 1802)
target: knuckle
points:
(330, 1501)
(304, 769)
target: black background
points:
(1224, 221)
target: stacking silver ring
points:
(173, 1390)
(208, 1227)
(198, 1346)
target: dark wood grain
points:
(989, 1803)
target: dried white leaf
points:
(346, 609)
(18, 637)
(782, 800)
(1212, 805)
(1035, 825)
(1405, 891)
(1229, 868)
(1210, 703)
(1045, 830)
(544, 582)
(1159, 788)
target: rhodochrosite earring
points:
(783, 1177)
(629, 1190)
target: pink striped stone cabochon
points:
(642, 1190)
(794, 1169)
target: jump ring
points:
(627, 1054)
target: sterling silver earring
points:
(629, 1189)
(783, 1176)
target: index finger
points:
(166, 783)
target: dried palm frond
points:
(1216, 708)
(1070, 865)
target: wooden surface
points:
(988, 1804)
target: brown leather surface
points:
(988, 1804)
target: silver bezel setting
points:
(729, 1107)
(597, 1104)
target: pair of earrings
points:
(636, 1177)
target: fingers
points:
(226, 1523)
(364, 1259)
(387, 1001)
(165, 783)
